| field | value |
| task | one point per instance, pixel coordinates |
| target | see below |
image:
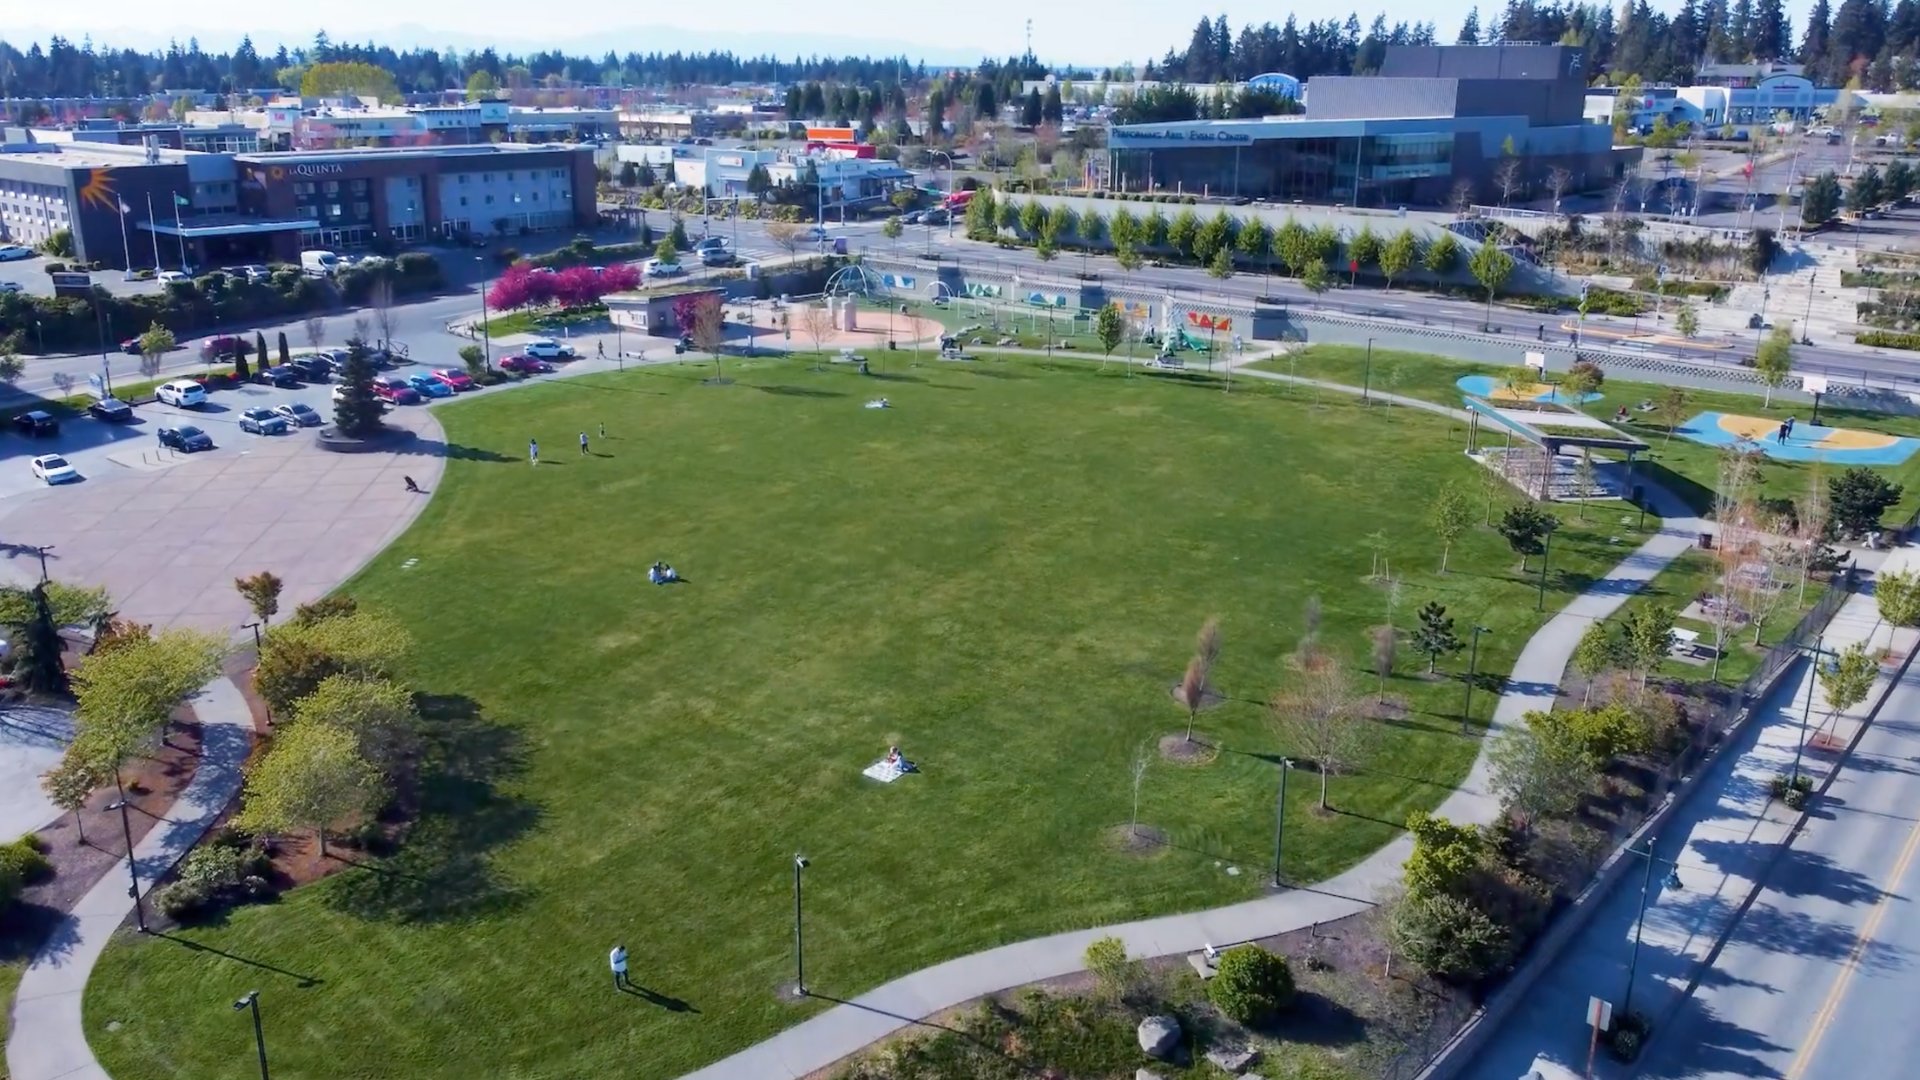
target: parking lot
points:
(167, 532)
(31, 276)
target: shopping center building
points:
(1434, 118)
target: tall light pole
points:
(1366, 378)
(799, 938)
(1646, 889)
(133, 871)
(252, 1003)
(486, 326)
(1280, 818)
(1806, 711)
(1473, 669)
(1546, 555)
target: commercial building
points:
(1782, 95)
(850, 180)
(151, 205)
(311, 124)
(1435, 117)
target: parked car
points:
(298, 414)
(284, 376)
(525, 365)
(250, 273)
(718, 257)
(913, 217)
(712, 243)
(263, 422)
(54, 469)
(310, 368)
(395, 389)
(657, 268)
(549, 349)
(187, 439)
(112, 410)
(935, 216)
(10, 287)
(182, 394)
(14, 252)
(428, 386)
(454, 378)
(36, 424)
(131, 346)
(172, 276)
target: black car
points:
(283, 376)
(36, 424)
(112, 410)
(311, 368)
(186, 439)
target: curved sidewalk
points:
(48, 1040)
(848, 1028)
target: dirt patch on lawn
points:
(1181, 750)
(1141, 840)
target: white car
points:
(14, 252)
(171, 276)
(656, 268)
(548, 349)
(252, 272)
(9, 286)
(54, 469)
(181, 394)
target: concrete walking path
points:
(849, 1027)
(1720, 846)
(48, 1041)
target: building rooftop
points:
(88, 155)
(363, 153)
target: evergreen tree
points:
(1052, 109)
(1469, 30)
(1813, 46)
(1030, 109)
(1821, 199)
(1770, 37)
(984, 105)
(358, 412)
(36, 657)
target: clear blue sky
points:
(1083, 31)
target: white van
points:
(319, 263)
(181, 394)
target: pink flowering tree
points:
(513, 289)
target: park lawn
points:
(1689, 469)
(11, 972)
(544, 321)
(1029, 326)
(1002, 574)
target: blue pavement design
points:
(1805, 444)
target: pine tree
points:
(1813, 46)
(357, 413)
(1470, 30)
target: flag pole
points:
(151, 232)
(179, 233)
(126, 248)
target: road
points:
(1419, 308)
(1819, 978)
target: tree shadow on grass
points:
(443, 871)
(799, 391)
(1317, 1020)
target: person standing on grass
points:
(533, 451)
(617, 960)
(583, 444)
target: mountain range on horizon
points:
(623, 39)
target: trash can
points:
(1706, 541)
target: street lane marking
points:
(1868, 929)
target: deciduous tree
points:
(1450, 516)
(1196, 684)
(1397, 255)
(1538, 773)
(311, 776)
(1525, 527)
(1317, 718)
(1773, 360)
(1491, 267)
(262, 593)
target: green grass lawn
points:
(1691, 469)
(1002, 574)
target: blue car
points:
(430, 386)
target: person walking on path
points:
(602, 346)
(583, 444)
(533, 451)
(617, 960)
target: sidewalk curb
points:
(1463, 1049)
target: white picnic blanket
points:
(883, 771)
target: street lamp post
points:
(1806, 711)
(1546, 555)
(486, 325)
(1366, 378)
(799, 939)
(1646, 889)
(133, 871)
(1280, 818)
(252, 1003)
(1473, 668)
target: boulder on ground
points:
(1160, 1037)
(1233, 1061)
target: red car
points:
(395, 389)
(525, 365)
(455, 378)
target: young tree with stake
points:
(262, 593)
(1195, 688)
(1317, 719)
(1773, 361)
(1490, 267)
(1434, 634)
(1450, 516)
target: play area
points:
(1497, 391)
(1793, 441)
(840, 322)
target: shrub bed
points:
(1888, 339)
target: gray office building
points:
(1434, 117)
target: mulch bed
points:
(152, 785)
(1179, 750)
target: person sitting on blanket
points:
(660, 573)
(897, 760)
